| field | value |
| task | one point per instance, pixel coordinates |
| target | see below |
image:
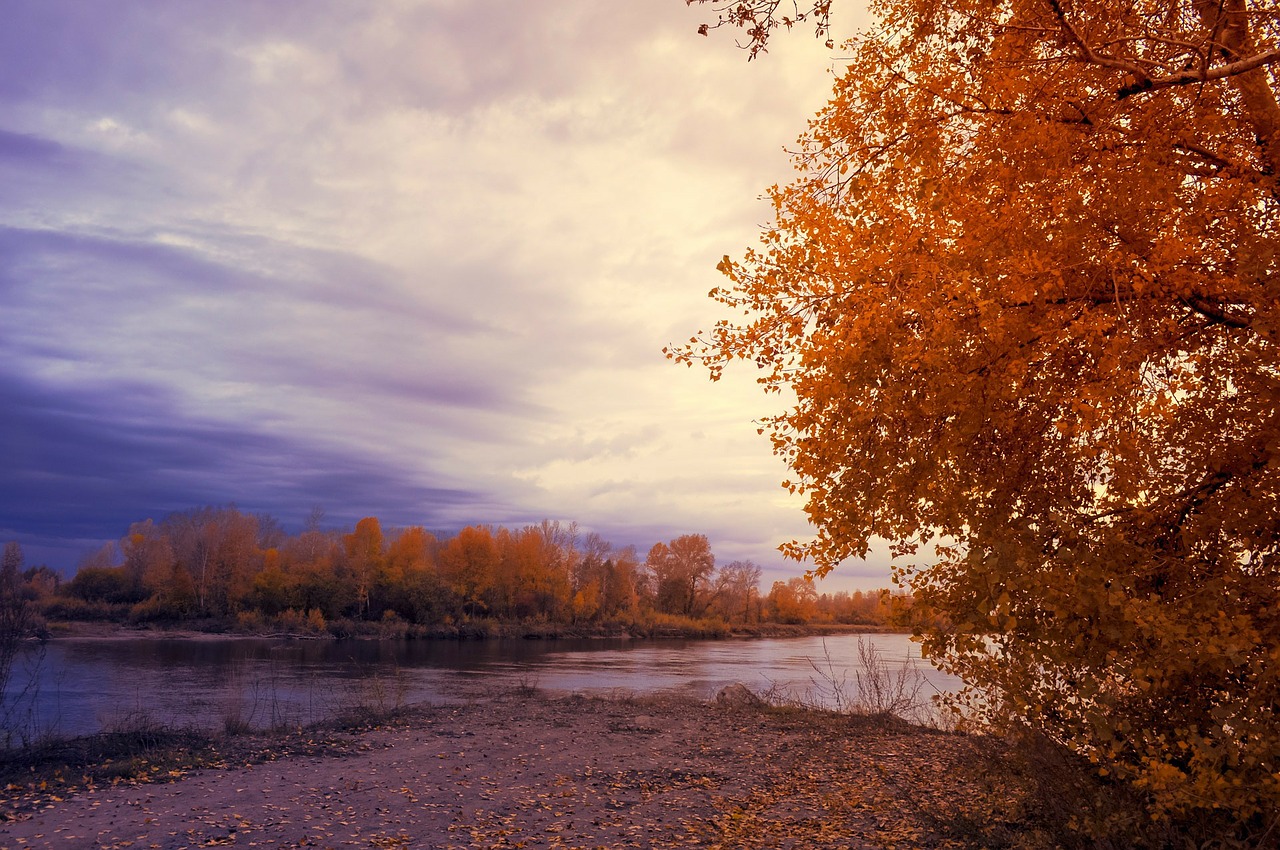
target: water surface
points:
(84, 685)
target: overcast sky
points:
(415, 260)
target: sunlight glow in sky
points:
(415, 260)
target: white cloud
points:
(451, 236)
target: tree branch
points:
(1089, 53)
(1144, 81)
(1199, 75)
(759, 18)
(1216, 314)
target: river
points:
(79, 686)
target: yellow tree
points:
(469, 565)
(310, 561)
(535, 572)
(216, 556)
(737, 585)
(413, 586)
(793, 601)
(149, 561)
(273, 587)
(618, 574)
(590, 581)
(365, 549)
(1026, 291)
(681, 572)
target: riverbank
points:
(523, 768)
(478, 630)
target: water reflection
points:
(85, 685)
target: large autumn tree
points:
(1025, 289)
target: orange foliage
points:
(1026, 291)
(219, 563)
(793, 601)
(365, 562)
(469, 563)
(533, 579)
(681, 572)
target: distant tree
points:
(271, 533)
(149, 559)
(105, 556)
(239, 559)
(737, 584)
(11, 565)
(101, 577)
(533, 578)
(102, 584)
(620, 583)
(17, 623)
(856, 608)
(193, 537)
(273, 588)
(595, 550)
(42, 579)
(793, 601)
(469, 564)
(681, 573)
(411, 584)
(364, 550)
(311, 562)
(587, 578)
(217, 549)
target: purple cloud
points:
(82, 463)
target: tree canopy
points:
(1025, 288)
(223, 568)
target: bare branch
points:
(760, 18)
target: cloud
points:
(437, 245)
(24, 149)
(86, 461)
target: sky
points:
(415, 259)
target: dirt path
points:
(537, 771)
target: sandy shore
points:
(532, 770)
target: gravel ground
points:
(536, 770)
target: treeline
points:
(221, 564)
